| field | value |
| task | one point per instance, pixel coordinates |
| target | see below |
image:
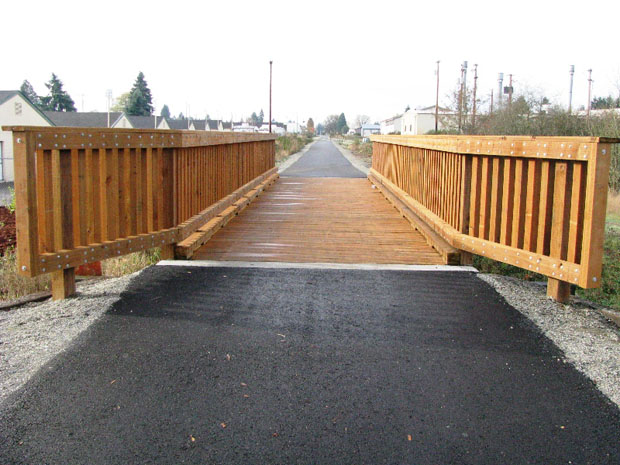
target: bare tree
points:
(361, 120)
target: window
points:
(18, 108)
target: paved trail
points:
(323, 160)
(238, 365)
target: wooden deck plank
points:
(314, 220)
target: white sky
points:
(329, 57)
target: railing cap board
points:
(546, 147)
(66, 138)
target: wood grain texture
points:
(320, 220)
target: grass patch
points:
(130, 263)
(289, 144)
(14, 285)
(358, 147)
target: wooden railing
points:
(536, 203)
(88, 194)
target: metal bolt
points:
(24, 268)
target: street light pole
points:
(437, 101)
(270, 82)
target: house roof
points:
(199, 124)
(226, 125)
(144, 122)
(76, 119)
(213, 124)
(177, 123)
(8, 94)
(370, 126)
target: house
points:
(276, 128)
(126, 121)
(15, 110)
(392, 125)
(244, 127)
(368, 129)
(422, 120)
(90, 119)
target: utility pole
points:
(491, 108)
(270, 82)
(108, 94)
(509, 90)
(460, 105)
(589, 91)
(437, 101)
(500, 94)
(473, 119)
(465, 89)
(570, 89)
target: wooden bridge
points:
(88, 194)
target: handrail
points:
(85, 194)
(534, 202)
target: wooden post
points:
(465, 202)
(63, 283)
(167, 252)
(558, 290)
(63, 280)
(26, 203)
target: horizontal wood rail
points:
(86, 194)
(534, 202)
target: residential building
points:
(369, 129)
(90, 119)
(392, 125)
(422, 120)
(15, 110)
(126, 121)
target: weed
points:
(14, 285)
(130, 263)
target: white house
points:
(392, 125)
(138, 122)
(422, 120)
(15, 110)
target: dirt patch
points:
(7, 229)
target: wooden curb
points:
(186, 248)
(450, 254)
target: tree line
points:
(138, 101)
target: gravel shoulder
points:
(31, 335)
(589, 340)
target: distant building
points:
(15, 110)
(126, 121)
(369, 129)
(392, 125)
(422, 120)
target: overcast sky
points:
(355, 57)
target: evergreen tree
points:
(165, 111)
(253, 119)
(29, 93)
(140, 102)
(342, 124)
(261, 117)
(58, 99)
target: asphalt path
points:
(287, 366)
(323, 160)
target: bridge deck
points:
(315, 220)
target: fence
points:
(534, 202)
(88, 194)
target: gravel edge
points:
(589, 340)
(33, 334)
(356, 162)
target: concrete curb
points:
(316, 266)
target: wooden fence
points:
(88, 194)
(534, 202)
